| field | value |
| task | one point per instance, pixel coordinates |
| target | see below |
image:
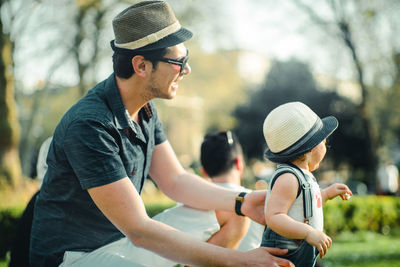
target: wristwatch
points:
(238, 204)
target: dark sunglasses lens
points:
(184, 64)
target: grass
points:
(364, 249)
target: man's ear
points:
(140, 65)
(239, 163)
(203, 171)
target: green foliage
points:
(8, 225)
(155, 208)
(370, 213)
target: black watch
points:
(238, 204)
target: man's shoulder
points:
(92, 108)
(93, 105)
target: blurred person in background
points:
(41, 165)
(387, 179)
(223, 163)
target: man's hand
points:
(253, 206)
(261, 257)
(319, 240)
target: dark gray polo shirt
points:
(94, 144)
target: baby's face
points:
(317, 155)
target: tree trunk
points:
(10, 166)
(370, 133)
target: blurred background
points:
(341, 58)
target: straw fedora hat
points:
(147, 25)
(293, 129)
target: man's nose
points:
(187, 70)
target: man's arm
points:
(196, 192)
(122, 205)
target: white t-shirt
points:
(253, 237)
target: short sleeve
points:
(92, 149)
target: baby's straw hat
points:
(293, 129)
(147, 25)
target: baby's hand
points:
(339, 190)
(345, 196)
(319, 240)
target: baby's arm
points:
(335, 190)
(283, 194)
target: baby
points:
(296, 139)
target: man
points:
(387, 179)
(105, 146)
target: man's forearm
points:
(186, 187)
(182, 248)
(196, 192)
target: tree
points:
(10, 167)
(387, 116)
(77, 45)
(354, 24)
(293, 81)
(74, 39)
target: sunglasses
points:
(182, 63)
(226, 134)
(229, 137)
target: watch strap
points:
(238, 203)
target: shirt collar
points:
(121, 115)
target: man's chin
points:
(172, 92)
(168, 96)
(172, 96)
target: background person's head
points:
(147, 29)
(293, 132)
(220, 154)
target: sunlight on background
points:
(247, 56)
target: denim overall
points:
(300, 253)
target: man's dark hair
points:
(219, 152)
(122, 62)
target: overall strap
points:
(304, 185)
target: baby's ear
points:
(308, 154)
